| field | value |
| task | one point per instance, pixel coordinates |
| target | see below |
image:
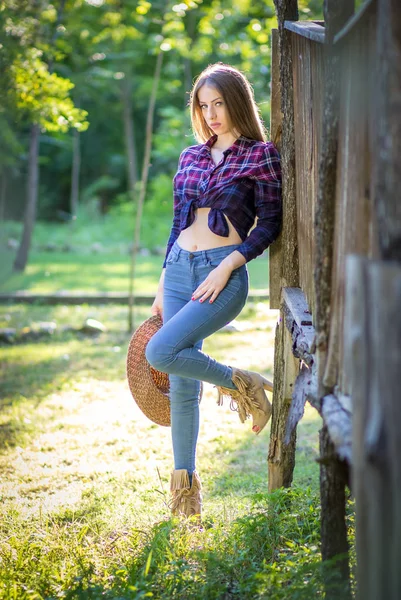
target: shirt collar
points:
(237, 147)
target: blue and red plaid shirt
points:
(244, 185)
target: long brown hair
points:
(240, 103)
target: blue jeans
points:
(176, 348)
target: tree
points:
(39, 97)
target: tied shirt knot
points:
(216, 219)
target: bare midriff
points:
(198, 236)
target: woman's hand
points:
(213, 284)
(157, 306)
(217, 279)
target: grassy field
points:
(50, 272)
(91, 255)
(84, 477)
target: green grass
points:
(84, 477)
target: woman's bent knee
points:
(158, 355)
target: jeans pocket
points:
(214, 262)
(172, 258)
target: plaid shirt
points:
(244, 185)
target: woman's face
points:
(213, 109)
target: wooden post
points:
(336, 15)
(333, 479)
(332, 476)
(281, 458)
(287, 10)
(387, 129)
(373, 298)
(276, 120)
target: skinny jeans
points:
(176, 348)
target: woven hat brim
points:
(149, 387)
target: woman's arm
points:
(268, 206)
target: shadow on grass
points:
(246, 471)
(32, 372)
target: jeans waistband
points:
(204, 255)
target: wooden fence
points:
(340, 386)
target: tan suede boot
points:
(185, 500)
(249, 399)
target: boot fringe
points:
(179, 480)
(185, 499)
(241, 400)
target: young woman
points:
(221, 185)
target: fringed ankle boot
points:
(185, 500)
(249, 399)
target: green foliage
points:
(310, 9)
(66, 68)
(43, 97)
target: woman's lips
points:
(215, 125)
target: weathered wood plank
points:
(307, 29)
(376, 366)
(333, 472)
(294, 310)
(355, 223)
(276, 120)
(281, 457)
(354, 20)
(296, 302)
(302, 391)
(288, 10)
(335, 409)
(387, 130)
(308, 85)
(339, 424)
(298, 322)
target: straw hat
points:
(149, 387)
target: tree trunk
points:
(144, 180)
(132, 172)
(32, 197)
(33, 168)
(191, 31)
(3, 188)
(76, 168)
